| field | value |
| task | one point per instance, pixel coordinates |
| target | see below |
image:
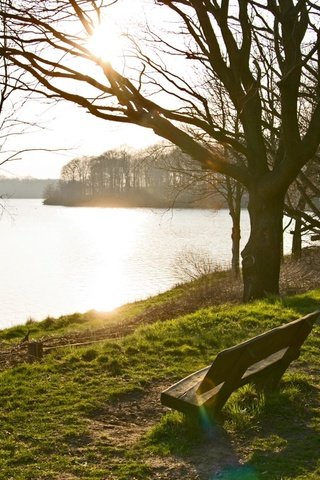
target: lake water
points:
(57, 260)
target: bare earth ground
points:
(127, 421)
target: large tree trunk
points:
(261, 257)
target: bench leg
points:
(271, 380)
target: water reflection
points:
(58, 260)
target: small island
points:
(124, 178)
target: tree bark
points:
(261, 256)
(297, 237)
(234, 192)
(236, 236)
(297, 240)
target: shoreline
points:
(122, 203)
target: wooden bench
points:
(261, 360)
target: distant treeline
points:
(120, 178)
(25, 187)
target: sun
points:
(106, 43)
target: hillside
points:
(93, 411)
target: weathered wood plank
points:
(262, 360)
(259, 348)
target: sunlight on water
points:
(58, 260)
(112, 246)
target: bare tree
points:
(201, 186)
(233, 192)
(302, 205)
(250, 47)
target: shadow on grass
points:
(288, 442)
(284, 438)
(279, 438)
(202, 443)
(303, 303)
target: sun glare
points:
(107, 43)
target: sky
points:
(69, 131)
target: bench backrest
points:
(246, 354)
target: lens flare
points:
(242, 472)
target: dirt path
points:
(127, 421)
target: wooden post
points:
(35, 351)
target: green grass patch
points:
(92, 319)
(61, 418)
(175, 434)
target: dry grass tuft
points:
(298, 276)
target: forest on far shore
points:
(155, 177)
(25, 187)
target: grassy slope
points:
(56, 416)
(92, 320)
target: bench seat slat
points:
(186, 390)
(257, 358)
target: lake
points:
(58, 260)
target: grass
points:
(94, 413)
(170, 304)
(91, 320)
